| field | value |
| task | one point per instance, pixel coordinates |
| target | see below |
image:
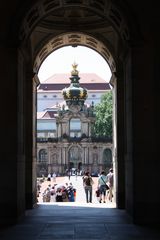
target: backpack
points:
(87, 181)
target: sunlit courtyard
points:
(80, 198)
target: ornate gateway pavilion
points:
(74, 147)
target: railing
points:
(75, 139)
(43, 140)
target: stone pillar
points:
(84, 156)
(30, 136)
(35, 82)
(63, 155)
(145, 165)
(66, 160)
(117, 195)
(12, 175)
(49, 151)
(118, 134)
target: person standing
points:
(87, 183)
(110, 184)
(59, 195)
(102, 181)
(49, 177)
(69, 174)
(70, 191)
(54, 177)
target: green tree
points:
(103, 112)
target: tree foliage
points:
(103, 112)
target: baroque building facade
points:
(74, 146)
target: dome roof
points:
(74, 94)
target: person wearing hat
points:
(110, 184)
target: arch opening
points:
(110, 31)
(75, 161)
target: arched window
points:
(75, 156)
(75, 127)
(43, 155)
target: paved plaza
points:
(78, 185)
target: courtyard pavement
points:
(77, 221)
(78, 185)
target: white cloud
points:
(61, 60)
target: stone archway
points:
(85, 40)
(133, 41)
(99, 25)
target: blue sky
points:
(61, 60)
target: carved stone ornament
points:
(74, 108)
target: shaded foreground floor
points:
(79, 221)
(68, 221)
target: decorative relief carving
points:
(91, 40)
(74, 36)
(74, 40)
(59, 39)
(92, 44)
(43, 53)
(57, 44)
(78, 38)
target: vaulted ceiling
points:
(51, 24)
(46, 25)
